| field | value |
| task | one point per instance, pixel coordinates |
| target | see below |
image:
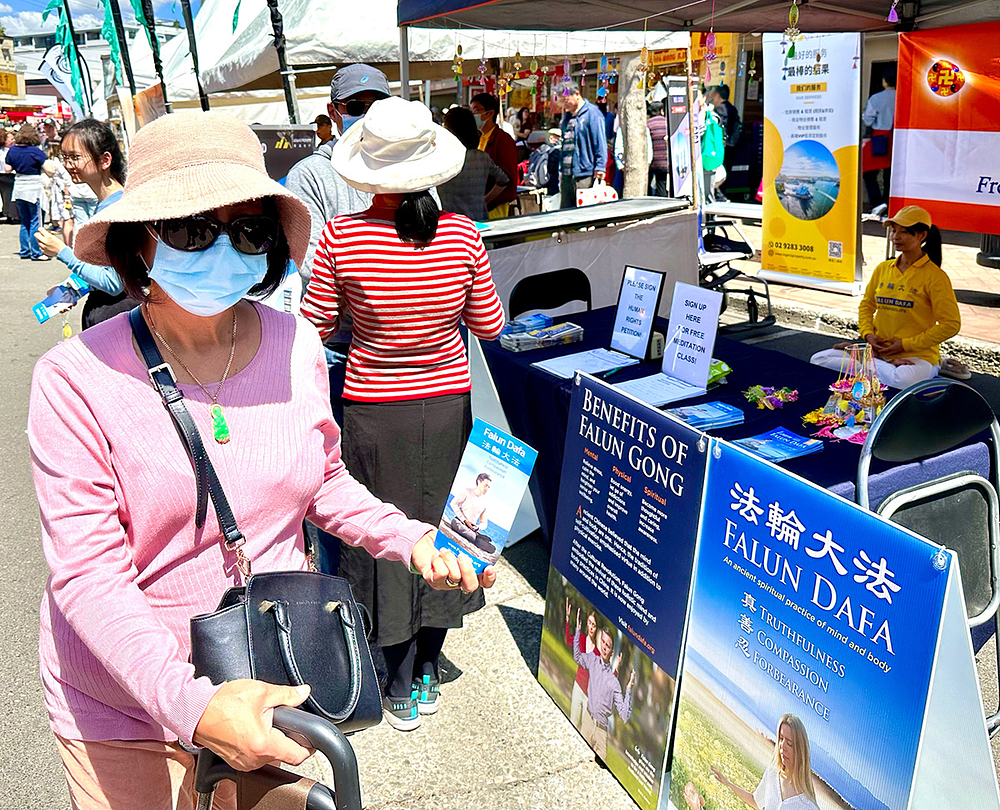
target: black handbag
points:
(284, 627)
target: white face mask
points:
(206, 282)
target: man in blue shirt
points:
(584, 144)
(604, 692)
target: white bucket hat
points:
(396, 149)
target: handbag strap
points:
(206, 479)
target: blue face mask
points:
(206, 282)
(349, 121)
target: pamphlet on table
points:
(556, 334)
(594, 361)
(631, 336)
(709, 415)
(687, 357)
(485, 495)
(780, 445)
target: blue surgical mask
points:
(349, 121)
(206, 282)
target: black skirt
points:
(407, 454)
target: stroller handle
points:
(310, 731)
(316, 732)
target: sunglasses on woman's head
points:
(251, 234)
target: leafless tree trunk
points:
(632, 120)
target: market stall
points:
(600, 240)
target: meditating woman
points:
(909, 307)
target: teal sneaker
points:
(401, 713)
(427, 690)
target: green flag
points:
(65, 41)
(110, 34)
(140, 17)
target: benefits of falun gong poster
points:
(811, 113)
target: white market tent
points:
(240, 69)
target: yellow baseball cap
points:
(909, 216)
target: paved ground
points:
(498, 740)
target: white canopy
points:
(237, 66)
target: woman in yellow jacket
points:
(909, 307)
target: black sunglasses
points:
(251, 234)
(356, 106)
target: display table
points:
(650, 232)
(537, 408)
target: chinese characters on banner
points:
(947, 127)
(808, 606)
(811, 119)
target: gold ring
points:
(452, 583)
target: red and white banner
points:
(946, 145)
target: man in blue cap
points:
(353, 90)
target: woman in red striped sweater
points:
(408, 274)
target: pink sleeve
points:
(345, 508)
(483, 312)
(93, 581)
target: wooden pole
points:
(632, 120)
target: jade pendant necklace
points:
(220, 429)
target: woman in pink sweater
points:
(199, 227)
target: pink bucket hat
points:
(189, 162)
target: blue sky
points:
(25, 16)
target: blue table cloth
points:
(537, 407)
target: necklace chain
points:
(229, 364)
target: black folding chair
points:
(715, 272)
(960, 510)
(271, 787)
(549, 290)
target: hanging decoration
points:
(893, 16)
(567, 72)
(583, 71)
(753, 64)
(456, 63)
(856, 398)
(483, 65)
(710, 41)
(741, 67)
(792, 32)
(643, 68)
(857, 55)
(602, 77)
